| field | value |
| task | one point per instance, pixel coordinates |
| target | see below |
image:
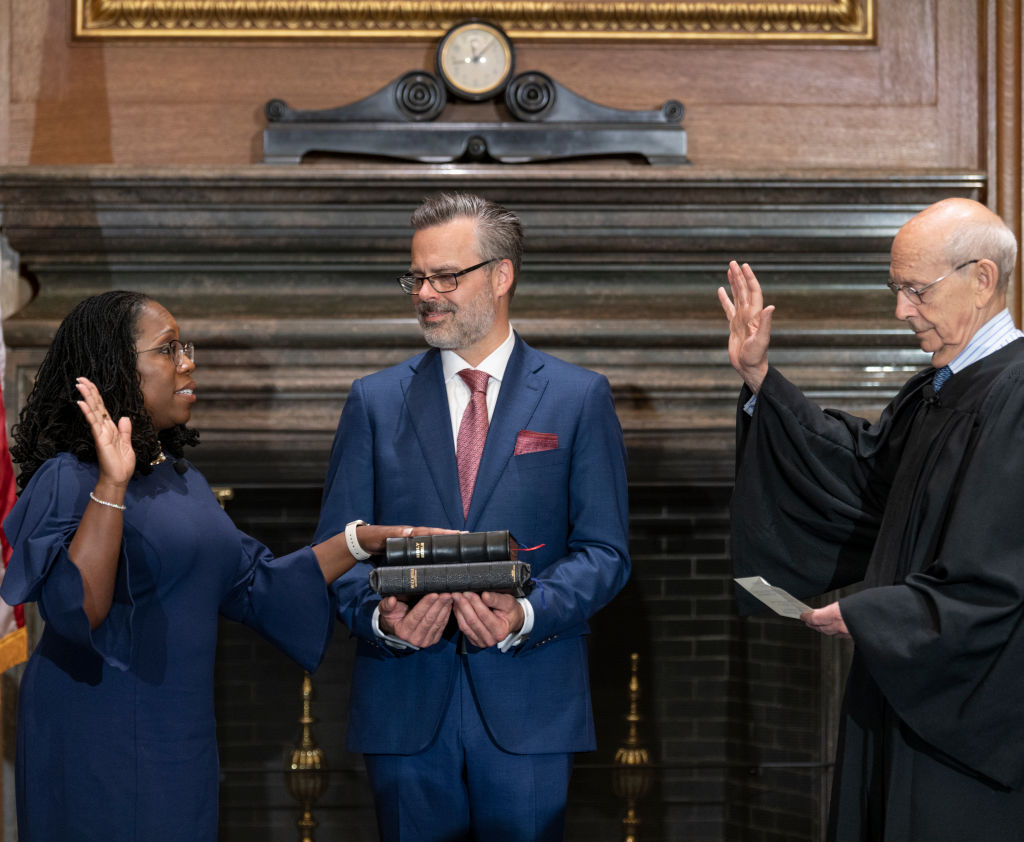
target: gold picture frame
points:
(823, 21)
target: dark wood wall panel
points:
(911, 100)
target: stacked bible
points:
(467, 561)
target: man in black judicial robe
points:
(926, 509)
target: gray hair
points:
(977, 240)
(499, 233)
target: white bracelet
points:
(358, 553)
(96, 499)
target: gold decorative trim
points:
(13, 648)
(832, 21)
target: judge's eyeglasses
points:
(915, 294)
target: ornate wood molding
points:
(284, 278)
(836, 21)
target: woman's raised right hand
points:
(114, 450)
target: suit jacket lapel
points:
(426, 405)
(521, 390)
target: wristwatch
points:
(358, 553)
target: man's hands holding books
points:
(486, 618)
(420, 624)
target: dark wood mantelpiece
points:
(283, 278)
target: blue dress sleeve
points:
(39, 529)
(285, 599)
(349, 492)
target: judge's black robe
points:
(926, 508)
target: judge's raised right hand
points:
(750, 324)
(422, 624)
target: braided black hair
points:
(95, 340)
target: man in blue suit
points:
(468, 707)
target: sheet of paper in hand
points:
(780, 601)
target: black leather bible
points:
(460, 548)
(505, 576)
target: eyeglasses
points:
(915, 295)
(443, 282)
(177, 351)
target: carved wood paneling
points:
(911, 100)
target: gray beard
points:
(468, 325)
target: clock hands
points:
(476, 52)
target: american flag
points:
(13, 635)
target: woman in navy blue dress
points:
(130, 558)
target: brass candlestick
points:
(224, 494)
(633, 774)
(307, 769)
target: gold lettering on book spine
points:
(413, 579)
(421, 549)
(842, 21)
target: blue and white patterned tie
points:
(941, 376)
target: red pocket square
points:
(531, 442)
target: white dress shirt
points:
(459, 395)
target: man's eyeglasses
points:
(177, 351)
(443, 282)
(915, 293)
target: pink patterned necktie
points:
(472, 433)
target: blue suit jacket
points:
(393, 462)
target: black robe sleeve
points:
(946, 646)
(810, 489)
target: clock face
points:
(475, 60)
